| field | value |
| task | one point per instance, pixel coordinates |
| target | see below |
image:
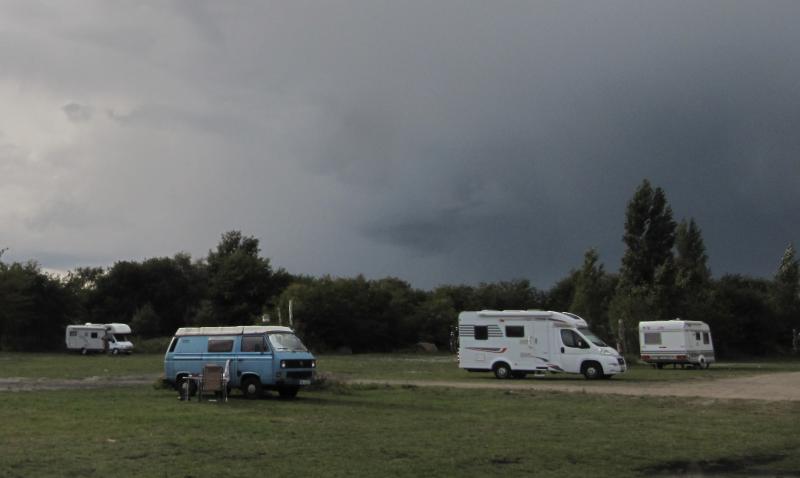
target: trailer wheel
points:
(115, 352)
(502, 371)
(702, 364)
(251, 388)
(592, 370)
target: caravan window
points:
(515, 331)
(253, 343)
(652, 338)
(220, 344)
(706, 338)
(73, 333)
(481, 332)
(94, 335)
(697, 336)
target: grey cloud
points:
(453, 142)
(77, 113)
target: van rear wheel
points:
(502, 371)
(251, 388)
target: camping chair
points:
(213, 381)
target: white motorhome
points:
(112, 338)
(513, 343)
(681, 342)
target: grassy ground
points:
(368, 366)
(445, 367)
(380, 431)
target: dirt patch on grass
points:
(741, 466)
(772, 387)
(25, 384)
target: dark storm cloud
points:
(441, 142)
(545, 132)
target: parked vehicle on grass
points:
(513, 343)
(259, 357)
(112, 338)
(680, 342)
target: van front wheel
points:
(502, 371)
(251, 388)
(592, 370)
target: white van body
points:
(513, 343)
(682, 342)
(88, 337)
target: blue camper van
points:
(258, 358)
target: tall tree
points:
(240, 281)
(786, 289)
(692, 275)
(646, 287)
(785, 295)
(588, 298)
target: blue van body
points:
(259, 358)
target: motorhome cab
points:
(515, 343)
(682, 342)
(111, 338)
(258, 357)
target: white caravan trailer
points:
(682, 342)
(89, 337)
(513, 343)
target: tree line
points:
(663, 275)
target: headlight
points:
(283, 363)
(313, 364)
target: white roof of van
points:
(564, 317)
(675, 324)
(232, 330)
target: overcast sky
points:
(436, 141)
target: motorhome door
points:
(540, 338)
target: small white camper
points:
(681, 342)
(513, 343)
(112, 338)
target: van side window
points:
(254, 343)
(706, 338)
(652, 338)
(220, 345)
(481, 332)
(572, 339)
(515, 331)
(173, 344)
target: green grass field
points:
(383, 431)
(367, 366)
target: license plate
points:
(305, 382)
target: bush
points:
(157, 345)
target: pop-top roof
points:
(231, 330)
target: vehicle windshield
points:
(121, 338)
(286, 341)
(591, 336)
